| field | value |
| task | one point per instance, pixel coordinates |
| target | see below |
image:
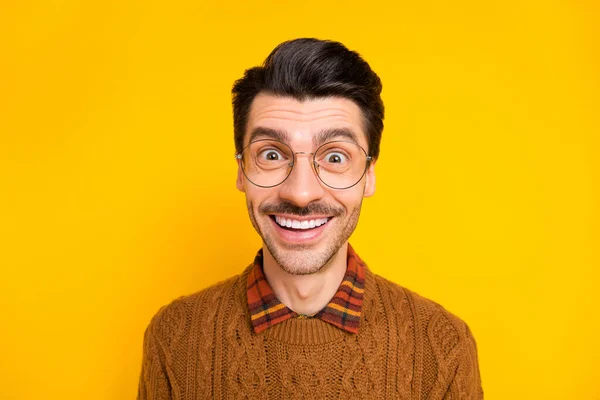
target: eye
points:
(270, 155)
(335, 158)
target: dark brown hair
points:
(308, 68)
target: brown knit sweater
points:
(202, 346)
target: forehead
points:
(302, 120)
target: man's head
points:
(308, 125)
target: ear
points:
(370, 180)
(239, 183)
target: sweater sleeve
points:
(466, 384)
(154, 382)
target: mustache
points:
(312, 208)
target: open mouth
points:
(297, 225)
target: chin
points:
(301, 259)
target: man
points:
(307, 319)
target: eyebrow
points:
(327, 135)
(323, 136)
(269, 133)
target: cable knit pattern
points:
(203, 346)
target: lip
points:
(305, 236)
(297, 218)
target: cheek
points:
(350, 198)
(255, 197)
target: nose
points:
(303, 186)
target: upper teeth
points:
(307, 224)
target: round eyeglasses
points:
(339, 164)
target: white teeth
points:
(307, 224)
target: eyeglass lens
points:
(339, 164)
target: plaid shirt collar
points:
(343, 310)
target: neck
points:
(306, 294)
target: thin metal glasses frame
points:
(315, 164)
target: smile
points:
(297, 224)
(293, 231)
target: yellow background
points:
(117, 176)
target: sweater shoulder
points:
(172, 320)
(446, 332)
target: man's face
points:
(302, 196)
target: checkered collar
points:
(343, 310)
